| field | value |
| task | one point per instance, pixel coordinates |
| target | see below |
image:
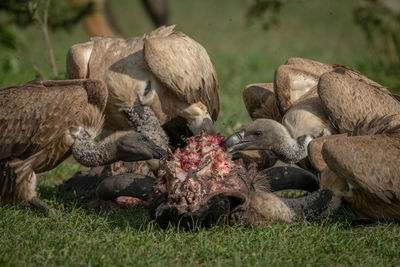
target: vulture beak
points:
(134, 147)
(158, 152)
(208, 126)
(233, 142)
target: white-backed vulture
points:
(303, 105)
(362, 167)
(166, 70)
(43, 122)
(292, 101)
(361, 171)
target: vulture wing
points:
(315, 150)
(260, 101)
(348, 101)
(184, 67)
(295, 79)
(319, 68)
(368, 163)
(33, 115)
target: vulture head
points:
(266, 134)
(134, 147)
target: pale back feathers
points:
(299, 76)
(183, 66)
(307, 118)
(290, 84)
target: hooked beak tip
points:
(233, 140)
(208, 126)
(159, 153)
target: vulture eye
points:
(257, 133)
(143, 139)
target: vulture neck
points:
(91, 153)
(292, 150)
(144, 121)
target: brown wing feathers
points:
(373, 167)
(183, 66)
(356, 101)
(33, 115)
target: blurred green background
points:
(242, 51)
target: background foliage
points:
(17, 15)
(379, 20)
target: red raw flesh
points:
(200, 149)
(129, 202)
(191, 174)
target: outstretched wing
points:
(368, 163)
(347, 100)
(33, 115)
(184, 67)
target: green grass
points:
(120, 237)
(242, 54)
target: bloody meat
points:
(191, 176)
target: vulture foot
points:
(39, 205)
